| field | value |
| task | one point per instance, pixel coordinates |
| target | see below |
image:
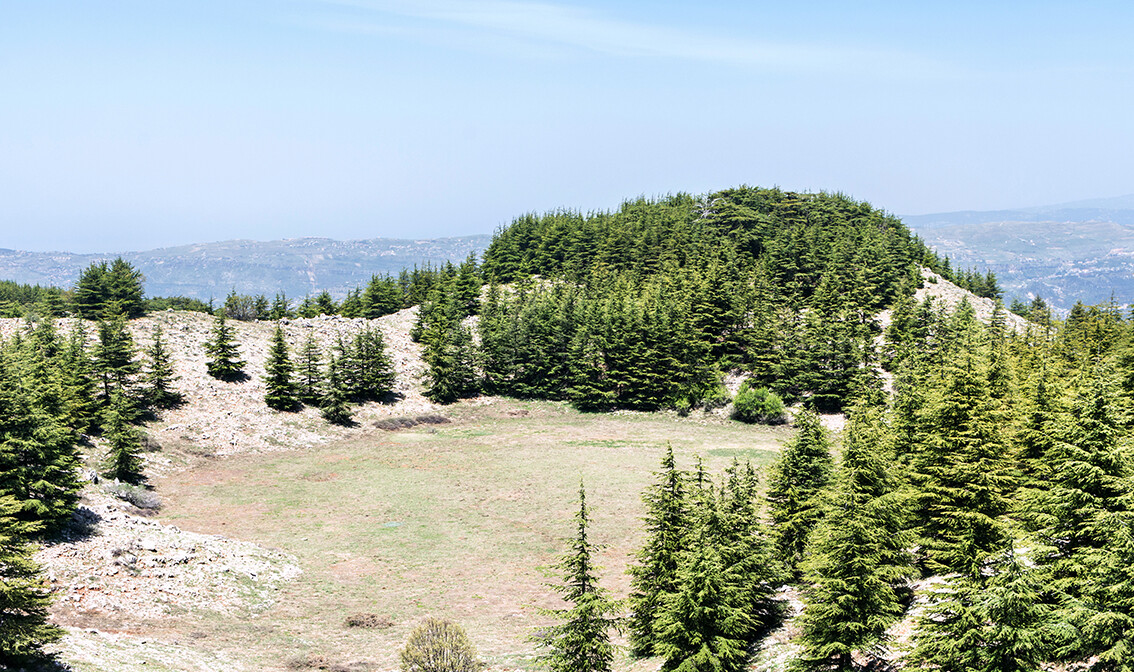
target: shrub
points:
(439, 646)
(758, 405)
(719, 398)
(138, 495)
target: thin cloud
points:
(564, 26)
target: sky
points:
(133, 124)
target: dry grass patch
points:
(451, 520)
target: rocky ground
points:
(117, 571)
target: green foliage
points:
(24, 595)
(123, 461)
(580, 641)
(997, 623)
(223, 362)
(245, 307)
(105, 288)
(758, 405)
(279, 390)
(438, 645)
(795, 487)
(859, 562)
(654, 573)
(115, 354)
(368, 373)
(310, 372)
(157, 388)
(961, 466)
(335, 402)
(159, 303)
(705, 624)
(16, 299)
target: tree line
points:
(1000, 465)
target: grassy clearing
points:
(452, 520)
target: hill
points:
(1064, 253)
(296, 267)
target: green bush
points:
(758, 405)
(439, 646)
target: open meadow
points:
(458, 520)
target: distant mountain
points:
(296, 267)
(1065, 253)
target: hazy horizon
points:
(135, 125)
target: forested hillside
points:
(647, 307)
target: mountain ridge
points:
(294, 266)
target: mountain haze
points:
(297, 267)
(1065, 253)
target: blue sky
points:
(130, 124)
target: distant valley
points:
(1064, 253)
(296, 267)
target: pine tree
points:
(38, 459)
(859, 563)
(705, 624)
(24, 596)
(114, 356)
(962, 472)
(375, 370)
(797, 480)
(123, 460)
(654, 573)
(580, 642)
(223, 353)
(452, 373)
(310, 372)
(280, 392)
(76, 373)
(280, 308)
(159, 377)
(1081, 512)
(992, 617)
(335, 405)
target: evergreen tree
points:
(654, 573)
(123, 460)
(335, 405)
(1081, 508)
(38, 459)
(223, 352)
(24, 596)
(990, 618)
(962, 471)
(280, 308)
(797, 480)
(452, 371)
(352, 304)
(382, 297)
(580, 642)
(859, 563)
(159, 377)
(76, 374)
(104, 287)
(280, 392)
(376, 375)
(705, 624)
(114, 356)
(310, 372)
